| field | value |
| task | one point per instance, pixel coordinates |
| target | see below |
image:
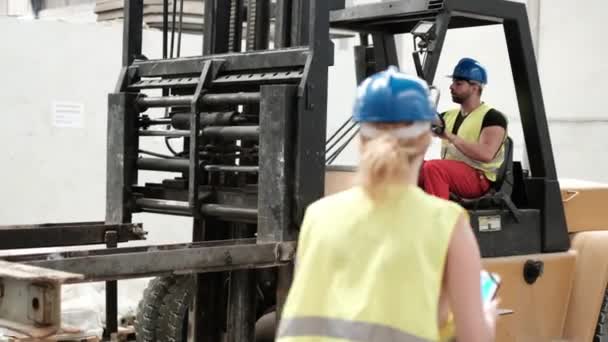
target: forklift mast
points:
(253, 120)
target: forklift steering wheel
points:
(438, 127)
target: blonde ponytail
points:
(387, 160)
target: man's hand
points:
(450, 137)
(438, 126)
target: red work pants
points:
(440, 177)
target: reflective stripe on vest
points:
(470, 130)
(342, 329)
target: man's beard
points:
(458, 99)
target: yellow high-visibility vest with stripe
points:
(369, 271)
(470, 130)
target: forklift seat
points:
(499, 194)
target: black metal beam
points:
(282, 33)
(194, 166)
(366, 17)
(487, 10)
(312, 114)
(301, 22)
(364, 59)
(256, 60)
(385, 51)
(132, 30)
(336, 4)
(122, 121)
(64, 234)
(165, 28)
(529, 96)
(121, 157)
(284, 280)
(434, 51)
(275, 180)
(210, 298)
(111, 238)
(136, 262)
(242, 297)
(543, 186)
(258, 24)
(401, 16)
(216, 27)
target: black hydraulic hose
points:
(337, 153)
(154, 154)
(336, 132)
(344, 134)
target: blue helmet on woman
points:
(393, 96)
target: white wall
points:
(55, 174)
(15, 7)
(573, 68)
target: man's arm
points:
(493, 130)
(484, 151)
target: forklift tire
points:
(173, 313)
(147, 316)
(601, 329)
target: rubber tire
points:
(601, 329)
(173, 313)
(146, 320)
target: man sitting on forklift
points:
(473, 137)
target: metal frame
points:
(145, 261)
(63, 234)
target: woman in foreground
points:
(383, 261)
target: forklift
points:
(250, 116)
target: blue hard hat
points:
(470, 70)
(392, 96)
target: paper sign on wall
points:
(68, 114)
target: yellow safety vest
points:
(470, 130)
(369, 272)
